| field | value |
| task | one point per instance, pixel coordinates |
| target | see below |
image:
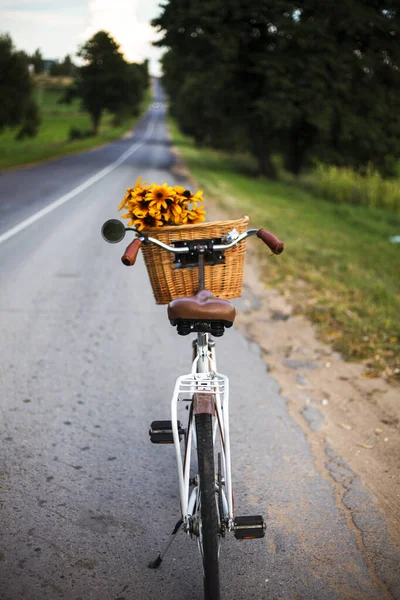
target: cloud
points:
(19, 4)
(119, 18)
(54, 32)
(39, 18)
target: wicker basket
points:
(168, 283)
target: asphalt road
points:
(87, 362)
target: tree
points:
(30, 122)
(68, 66)
(306, 79)
(365, 119)
(137, 81)
(37, 60)
(106, 81)
(16, 86)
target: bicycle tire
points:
(208, 511)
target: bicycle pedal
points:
(249, 528)
(160, 432)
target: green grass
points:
(52, 139)
(48, 100)
(341, 253)
(345, 186)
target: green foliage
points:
(346, 186)
(30, 122)
(66, 68)
(37, 61)
(306, 80)
(75, 133)
(17, 105)
(107, 81)
(136, 82)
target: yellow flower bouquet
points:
(160, 205)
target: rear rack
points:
(212, 383)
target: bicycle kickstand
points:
(157, 562)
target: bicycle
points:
(206, 494)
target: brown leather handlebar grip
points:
(272, 242)
(129, 258)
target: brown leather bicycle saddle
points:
(201, 307)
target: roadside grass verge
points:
(56, 121)
(345, 186)
(339, 267)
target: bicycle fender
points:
(203, 403)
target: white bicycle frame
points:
(205, 379)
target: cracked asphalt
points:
(87, 362)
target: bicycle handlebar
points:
(132, 250)
(267, 237)
(185, 250)
(272, 242)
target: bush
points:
(345, 186)
(79, 134)
(31, 121)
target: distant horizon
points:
(58, 27)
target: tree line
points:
(65, 68)
(105, 81)
(305, 81)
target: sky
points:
(58, 27)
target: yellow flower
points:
(140, 205)
(138, 183)
(147, 221)
(194, 215)
(174, 210)
(126, 199)
(181, 191)
(197, 197)
(158, 195)
(138, 190)
(187, 194)
(136, 207)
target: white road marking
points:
(80, 188)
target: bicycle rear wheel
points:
(209, 528)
